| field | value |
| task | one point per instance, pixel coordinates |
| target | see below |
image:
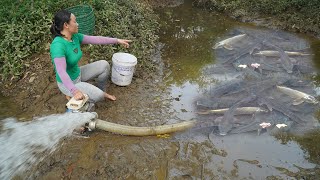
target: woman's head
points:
(64, 21)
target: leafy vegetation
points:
(299, 15)
(127, 20)
(25, 29)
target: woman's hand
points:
(124, 42)
(78, 95)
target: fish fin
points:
(216, 46)
(297, 101)
(228, 47)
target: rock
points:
(31, 79)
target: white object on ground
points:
(77, 104)
(243, 66)
(281, 125)
(255, 65)
(265, 125)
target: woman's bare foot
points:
(110, 97)
(68, 98)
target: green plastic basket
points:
(85, 18)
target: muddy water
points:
(7, 108)
(186, 37)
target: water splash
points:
(23, 142)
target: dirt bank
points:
(296, 19)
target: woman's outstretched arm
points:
(98, 40)
(104, 40)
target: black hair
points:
(61, 17)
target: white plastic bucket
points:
(123, 66)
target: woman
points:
(66, 53)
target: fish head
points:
(218, 45)
(311, 99)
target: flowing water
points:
(24, 144)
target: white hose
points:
(139, 131)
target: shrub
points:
(25, 29)
(126, 20)
(304, 15)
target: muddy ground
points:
(36, 93)
(102, 155)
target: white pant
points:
(98, 69)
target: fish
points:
(303, 69)
(272, 104)
(226, 88)
(227, 42)
(250, 72)
(228, 119)
(297, 82)
(268, 67)
(253, 126)
(238, 111)
(248, 50)
(271, 53)
(299, 97)
(285, 60)
(258, 87)
(220, 102)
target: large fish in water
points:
(227, 43)
(238, 111)
(285, 60)
(248, 50)
(272, 104)
(299, 97)
(227, 121)
(277, 53)
(226, 88)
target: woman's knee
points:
(94, 93)
(104, 65)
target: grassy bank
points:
(294, 15)
(25, 24)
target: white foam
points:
(22, 142)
